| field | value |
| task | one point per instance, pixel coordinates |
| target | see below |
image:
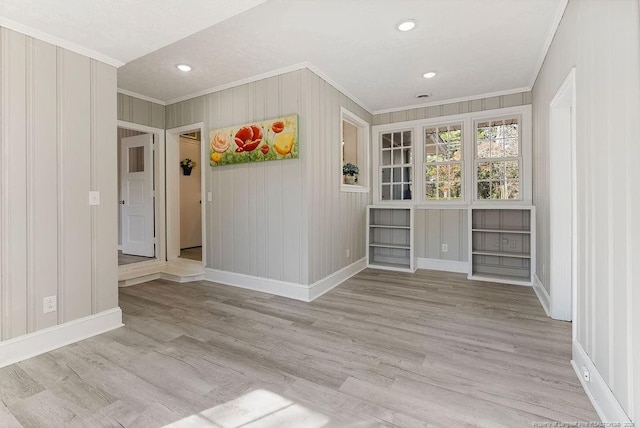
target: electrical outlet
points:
(49, 304)
(348, 253)
(586, 375)
(445, 248)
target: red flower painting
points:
(248, 138)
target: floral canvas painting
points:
(265, 140)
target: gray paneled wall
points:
(285, 220)
(336, 219)
(135, 110)
(607, 154)
(58, 115)
(503, 101)
(434, 227)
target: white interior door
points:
(137, 195)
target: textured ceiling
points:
(477, 47)
(117, 31)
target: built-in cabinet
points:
(390, 238)
(502, 244)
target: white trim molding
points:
(443, 265)
(305, 293)
(30, 345)
(454, 100)
(57, 41)
(330, 282)
(140, 96)
(542, 294)
(603, 400)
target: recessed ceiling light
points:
(183, 67)
(406, 25)
(429, 74)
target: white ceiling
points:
(477, 47)
(117, 31)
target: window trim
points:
(469, 178)
(463, 161)
(364, 143)
(377, 170)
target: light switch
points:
(209, 196)
(94, 197)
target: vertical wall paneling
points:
(510, 100)
(608, 105)
(76, 182)
(5, 304)
(16, 196)
(57, 116)
(284, 220)
(45, 186)
(103, 130)
(141, 112)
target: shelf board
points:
(399, 266)
(527, 232)
(386, 226)
(501, 254)
(396, 246)
(510, 279)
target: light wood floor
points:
(193, 253)
(127, 259)
(428, 349)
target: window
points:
(443, 162)
(498, 159)
(455, 160)
(354, 153)
(396, 162)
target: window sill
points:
(353, 188)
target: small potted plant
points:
(187, 165)
(349, 171)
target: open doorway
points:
(138, 209)
(563, 194)
(186, 237)
(190, 197)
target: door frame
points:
(159, 179)
(173, 190)
(563, 206)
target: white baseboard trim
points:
(328, 283)
(39, 342)
(256, 283)
(305, 293)
(443, 265)
(603, 400)
(542, 294)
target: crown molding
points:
(140, 96)
(54, 40)
(547, 44)
(272, 73)
(455, 100)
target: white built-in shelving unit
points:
(502, 243)
(390, 238)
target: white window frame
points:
(524, 154)
(469, 155)
(377, 169)
(364, 147)
(463, 161)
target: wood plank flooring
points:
(127, 259)
(382, 349)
